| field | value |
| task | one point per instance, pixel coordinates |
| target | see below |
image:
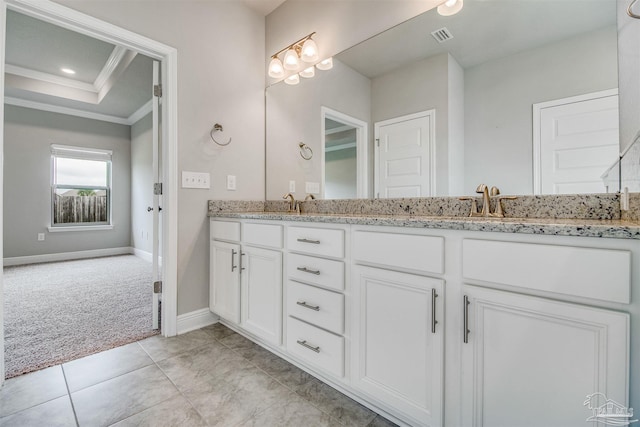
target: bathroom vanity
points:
(438, 321)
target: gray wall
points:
(221, 77)
(28, 135)
(498, 104)
(293, 115)
(141, 184)
(629, 70)
(341, 174)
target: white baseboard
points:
(195, 320)
(66, 256)
(147, 256)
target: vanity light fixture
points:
(307, 73)
(293, 79)
(305, 50)
(325, 64)
(450, 7)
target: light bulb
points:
(450, 7)
(307, 73)
(324, 65)
(309, 51)
(292, 80)
(291, 61)
(276, 70)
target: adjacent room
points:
(78, 177)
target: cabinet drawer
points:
(317, 271)
(603, 274)
(406, 251)
(269, 235)
(316, 241)
(225, 230)
(318, 347)
(318, 306)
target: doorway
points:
(405, 156)
(75, 21)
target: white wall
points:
(221, 78)
(28, 135)
(498, 104)
(294, 115)
(141, 184)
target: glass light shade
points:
(291, 60)
(292, 80)
(309, 52)
(324, 65)
(276, 70)
(307, 73)
(450, 7)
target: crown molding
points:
(17, 102)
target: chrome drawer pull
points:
(306, 270)
(315, 242)
(310, 347)
(310, 307)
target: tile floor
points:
(208, 377)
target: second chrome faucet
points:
(487, 195)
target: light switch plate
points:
(231, 182)
(195, 179)
(292, 186)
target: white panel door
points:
(530, 361)
(579, 141)
(224, 283)
(261, 275)
(397, 356)
(405, 156)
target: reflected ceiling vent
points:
(442, 35)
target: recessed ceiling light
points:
(67, 70)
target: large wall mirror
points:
(522, 95)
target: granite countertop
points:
(612, 228)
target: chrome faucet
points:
(294, 205)
(487, 195)
(309, 197)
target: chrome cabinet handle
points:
(315, 242)
(306, 270)
(241, 255)
(311, 307)
(465, 319)
(233, 260)
(434, 322)
(310, 347)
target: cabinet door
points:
(262, 293)
(397, 356)
(224, 280)
(534, 362)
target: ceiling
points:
(263, 7)
(480, 32)
(110, 83)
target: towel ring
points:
(305, 151)
(218, 127)
(630, 12)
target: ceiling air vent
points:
(442, 35)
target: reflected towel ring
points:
(630, 13)
(218, 127)
(305, 151)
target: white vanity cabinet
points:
(246, 277)
(398, 323)
(532, 361)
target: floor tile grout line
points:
(73, 407)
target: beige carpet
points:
(56, 312)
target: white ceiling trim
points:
(49, 78)
(338, 129)
(109, 67)
(141, 112)
(115, 73)
(64, 110)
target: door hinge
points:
(157, 287)
(377, 142)
(157, 90)
(157, 189)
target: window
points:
(80, 186)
